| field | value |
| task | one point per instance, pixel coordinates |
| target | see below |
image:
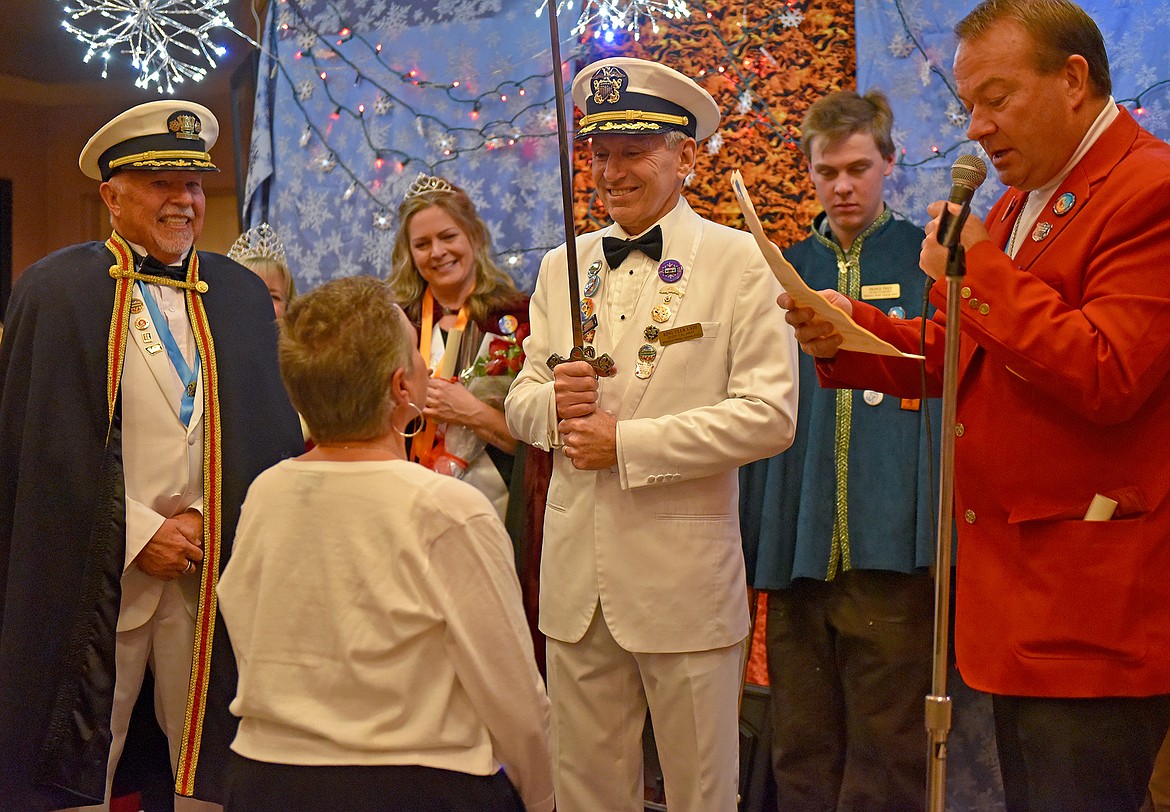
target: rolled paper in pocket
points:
(1100, 509)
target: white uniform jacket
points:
(162, 462)
(656, 538)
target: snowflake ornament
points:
(305, 89)
(745, 102)
(792, 18)
(383, 104)
(157, 35)
(956, 114)
(714, 144)
(901, 47)
(924, 72)
(382, 220)
(306, 40)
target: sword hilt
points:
(602, 365)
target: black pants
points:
(1078, 755)
(257, 786)
(849, 662)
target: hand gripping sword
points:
(603, 365)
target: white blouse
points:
(376, 619)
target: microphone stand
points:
(938, 704)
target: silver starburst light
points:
(158, 35)
(609, 16)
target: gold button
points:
(969, 515)
(984, 309)
(960, 429)
(974, 304)
(965, 292)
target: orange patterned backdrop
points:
(728, 48)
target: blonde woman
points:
(471, 320)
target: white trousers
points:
(599, 694)
(166, 643)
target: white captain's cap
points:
(631, 96)
(160, 135)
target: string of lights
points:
(350, 73)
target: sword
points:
(603, 365)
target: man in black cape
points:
(118, 359)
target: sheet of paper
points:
(856, 338)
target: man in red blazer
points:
(1063, 403)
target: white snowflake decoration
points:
(326, 163)
(305, 89)
(901, 47)
(306, 39)
(745, 102)
(613, 15)
(792, 18)
(924, 72)
(383, 104)
(714, 144)
(155, 33)
(956, 114)
(382, 220)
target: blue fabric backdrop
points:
(314, 170)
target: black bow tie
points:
(616, 249)
(151, 265)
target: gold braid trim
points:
(635, 116)
(212, 543)
(849, 283)
(119, 322)
(165, 157)
(125, 270)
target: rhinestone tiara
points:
(427, 183)
(258, 244)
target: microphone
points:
(967, 174)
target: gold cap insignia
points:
(185, 125)
(607, 84)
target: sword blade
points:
(566, 175)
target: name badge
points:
(687, 332)
(891, 291)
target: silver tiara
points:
(427, 183)
(258, 244)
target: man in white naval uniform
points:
(643, 592)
